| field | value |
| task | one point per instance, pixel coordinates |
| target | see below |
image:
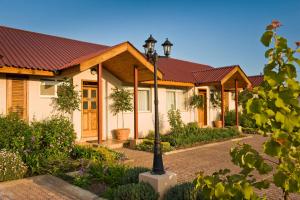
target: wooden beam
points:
(100, 103)
(232, 72)
(17, 70)
(222, 106)
(114, 51)
(170, 83)
(236, 103)
(136, 130)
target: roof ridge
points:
(53, 36)
(192, 62)
(217, 68)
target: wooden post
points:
(100, 103)
(135, 99)
(222, 106)
(236, 103)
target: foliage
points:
(132, 175)
(244, 96)
(68, 99)
(175, 121)
(247, 122)
(182, 191)
(230, 118)
(11, 166)
(96, 153)
(215, 99)
(38, 143)
(196, 101)
(148, 144)
(276, 109)
(191, 135)
(134, 191)
(111, 174)
(122, 101)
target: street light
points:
(152, 56)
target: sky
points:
(215, 32)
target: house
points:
(32, 64)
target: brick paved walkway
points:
(43, 188)
(208, 158)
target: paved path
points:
(44, 187)
(208, 158)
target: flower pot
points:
(122, 133)
(218, 123)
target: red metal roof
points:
(32, 50)
(179, 70)
(256, 80)
(27, 49)
(211, 75)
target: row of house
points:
(32, 64)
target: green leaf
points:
(297, 61)
(219, 191)
(272, 148)
(279, 117)
(248, 191)
(280, 179)
(266, 38)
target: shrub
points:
(247, 122)
(132, 174)
(230, 118)
(191, 135)
(11, 166)
(134, 191)
(14, 133)
(111, 174)
(96, 153)
(147, 145)
(183, 191)
(175, 120)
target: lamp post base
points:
(160, 183)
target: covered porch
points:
(224, 79)
(126, 64)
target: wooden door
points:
(202, 112)
(89, 112)
(16, 94)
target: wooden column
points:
(236, 103)
(222, 106)
(135, 99)
(100, 103)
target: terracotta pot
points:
(218, 123)
(122, 133)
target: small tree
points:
(196, 101)
(122, 102)
(68, 99)
(215, 99)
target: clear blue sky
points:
(215, 32)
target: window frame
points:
(177, 106)
(131, 89)
(54, 82)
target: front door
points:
(202, 112)
(89, 111)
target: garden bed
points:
(189, 136)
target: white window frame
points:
(185, 94)
(54, 82)
(131, 89)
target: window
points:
(48, 88)
(176, 100)
(144, 100)
(171, 100)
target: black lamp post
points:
(152, 56)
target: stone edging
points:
(206, 145)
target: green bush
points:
(39, 142)
(11, 166)
(147, 145)
(247, 122)
(111, 174)
(175, 121)
(96, 153)
(183, 191)
(132, 175)
(15, 133)
(134, 191)
(191, 135)
(230, 118)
